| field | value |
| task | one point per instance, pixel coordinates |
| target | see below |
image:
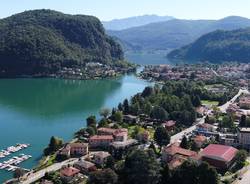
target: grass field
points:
(208, 102)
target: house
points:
(200, 140)
(118, 149)
(105, 131)
(169, 125)
(205, 127)
(101, 157)
(130, 119)
(85, 166)
(68, 174)
(74, 149)
(100, 141)
(219, 156)
(120, 134)
(78, 149)
(173, 151)
(228, 139)
(244, 137)
(244, 102)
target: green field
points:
(208, 102)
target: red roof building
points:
(219, 156)
(69, 173)
(100, 140)
(200, 140)
(170, 152)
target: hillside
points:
(217, 47)
(120, 24)
(175, 33)
(43, 41)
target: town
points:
(202, 123)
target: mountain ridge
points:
(175, 33)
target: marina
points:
(13, 149)
(11, 164)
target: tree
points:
(196, 101)
(103, 123)
(184, 142)
(91, 121)
(19, 172)
(118, 116)
(105, 112)
(194, 146)
(120, 107)
(147, 108)
(206, 174)
(110, 162)
(91, 130)
(54, 145)
(165, 175)
(147, 92)
(243, 121)
(141, 167)
(161, 136)
(240, 159)
(159, 113)
(106, 176)
(125, 106)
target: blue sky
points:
(110, 9)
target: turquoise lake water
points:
(33, 110)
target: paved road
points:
(38, 175)
(224, 107)
(245, 175)
(179, 136)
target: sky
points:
(115, 9)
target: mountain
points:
(175, 33)
(216, 47)
(43, 41)
(120, 24)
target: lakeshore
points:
(45, 107)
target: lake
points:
(33, 110)
(147, 58)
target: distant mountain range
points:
(217, 46)
(173, 33)
(120, 24)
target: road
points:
(244, 174)
(38, 175)
(179, 136)
(224, 107)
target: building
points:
(205, 127)
(101, 141)
(74, 150)
(78, 149)
(169, 125)
(173, 151)
(130, 119)
(200, 140)
(101, 157)
(120, 134)
(219, 156)
(85, 166)
(68, 174)
(244, 102)
(228, 139)
(244, 137)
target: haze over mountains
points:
(173, 33)
(120, 24)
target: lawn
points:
(208, 102)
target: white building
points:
(244, 136)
